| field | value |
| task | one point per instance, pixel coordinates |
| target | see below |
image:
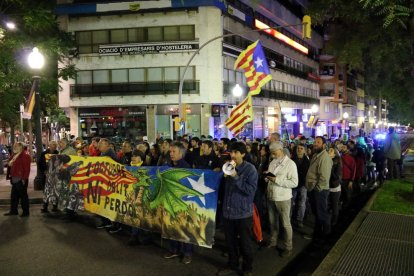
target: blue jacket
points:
(239, 192)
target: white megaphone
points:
(229, 167)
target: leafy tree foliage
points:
(374, 37)
(35, 26)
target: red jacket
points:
(93, 151)
(360, 165)
(21, 167)
(348, 167)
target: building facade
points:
(131, 57)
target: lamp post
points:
(36, 62)
(345, 116)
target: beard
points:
(318, 150)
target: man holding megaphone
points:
(240, 187)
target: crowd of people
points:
(284, 180)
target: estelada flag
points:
(240, 115)
(253, 62)
(30, 103)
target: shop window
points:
(84, 77)
(119, 36)
(187, 32)
(136, 35)
(101, 76)
(171, 74)
(137, 75)
(155, 34)
(171, 33)
(119, 76)
(155, 74)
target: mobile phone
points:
(269, 174)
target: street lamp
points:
(345, 116)
(36, 62)
(315, 108)
(237, 91)
(10, 25)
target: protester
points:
(348, 175)
(300, 193)
(317, 182)
(93, 147)
(239, 192)
(392, 151)
(66, 148)
(335, 184)
(279, 193)
(43, 168)
(18, 172)
(178, 249)
(208, 160)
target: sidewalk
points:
(375, 243)
(35, 197)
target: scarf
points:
(15, 156)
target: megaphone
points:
(229, 167)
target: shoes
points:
(115, 230)
(44, 211)
(11, 214)
(171, 255)
(286, 253)
(187, 260)
(226, 271)
(24, 215)
(102, 226)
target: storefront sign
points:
(147, 48)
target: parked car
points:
(4, 154)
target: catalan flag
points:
(30, 103)
(240, 115)
(253, 62)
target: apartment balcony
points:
(327, 93)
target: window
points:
(171, 74)
(327, 107)
(101, 76)
(239, 77)
(187, 32)
(100, 37)
(119, 76)
(136, 35)
(136, 75)
(225, 75)
(84, 40)
(119, 36)
(84, 77)
(155, 34)
(171, 33)
(155, 74)
(189, 75)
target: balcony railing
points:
(136, 88)
(327, 93)
(276, 95)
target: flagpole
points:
(180, 88)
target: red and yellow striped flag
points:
(240, 115)
(253, 62)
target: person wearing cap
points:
(279, 194)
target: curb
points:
(340, 246)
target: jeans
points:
(280, 209)
(181, 247)
(300, 195)
(334, 203)
(19, 193)
(239, 235)
(319, 203)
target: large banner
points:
(178, 203)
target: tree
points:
(374, 37)
(36, 26)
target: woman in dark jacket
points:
(335, 183)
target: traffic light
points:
(306, 27)
(177, 123)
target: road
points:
(45, 245)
